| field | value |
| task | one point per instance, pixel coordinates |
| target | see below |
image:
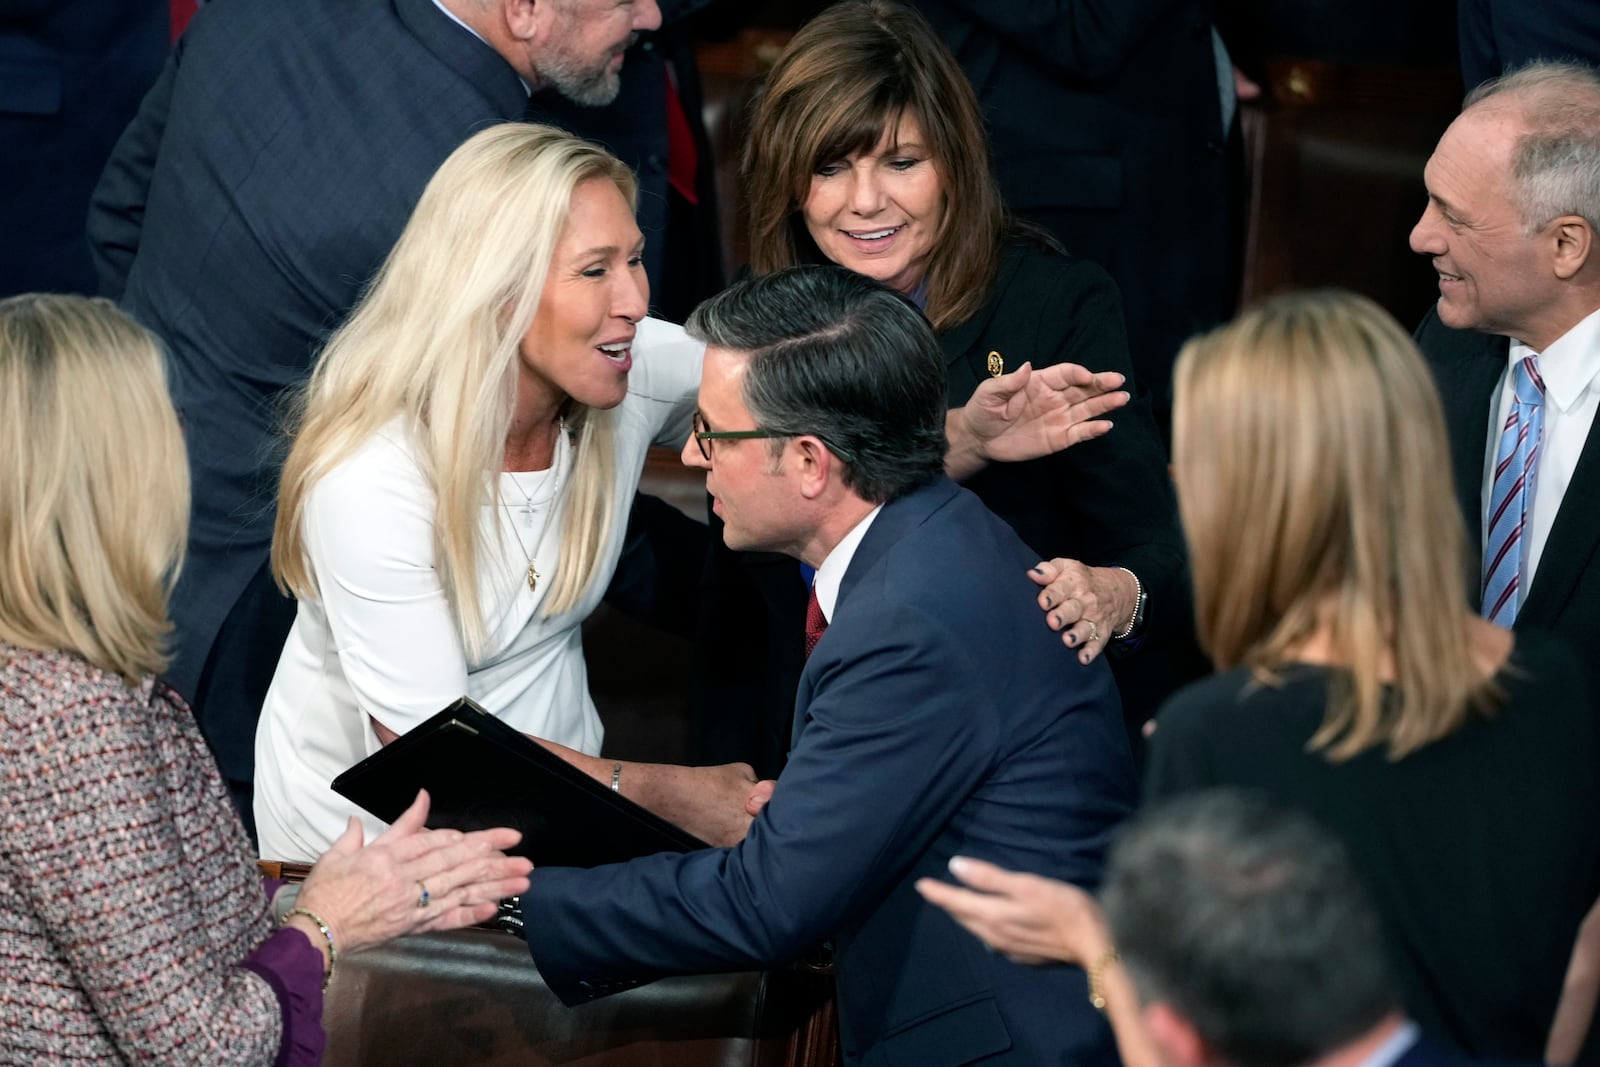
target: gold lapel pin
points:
(997, 366)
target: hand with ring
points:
(1086, 605)
(410, 879)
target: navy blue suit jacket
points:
(936, 717)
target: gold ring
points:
(422, 901)
(1094, 631)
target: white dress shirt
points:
(1568, 368)
(831, 573)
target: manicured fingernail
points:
(1085, 658)
(1072, 639)
(957, 865)
(1048, 603)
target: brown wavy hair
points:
(844, 81)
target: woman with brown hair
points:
(1458, 761)
(133, 924)
(867, 149)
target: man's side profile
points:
(934, 716)
(1511, 223)
(1511, 226)
(1251, 941)
(263, 181)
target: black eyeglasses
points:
(702, 435)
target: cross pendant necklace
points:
(529, 508)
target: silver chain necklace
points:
(529, 507)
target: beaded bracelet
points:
(1097, 972)
(333, 953)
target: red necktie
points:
(816, 623)
(683, 159)
(181, 12)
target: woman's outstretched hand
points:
(1030, 413)
(1026, 917)
(371, 893)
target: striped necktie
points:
(1516, 459)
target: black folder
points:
(479, 773)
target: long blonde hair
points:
(435, 341)
(94, 492)
(1314, 478)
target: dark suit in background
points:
(683, 241)
(1106, 124)
(1499, 34)
(936, 717)
(1564, 595)
(265, 178)
(262, 184)
(71, 76)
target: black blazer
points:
(1564, 596)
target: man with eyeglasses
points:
(935, 717)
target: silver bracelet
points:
(616, 777)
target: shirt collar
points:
(831, 574)
(1569, 365)
(1398, 1044)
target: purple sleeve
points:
(292, 966)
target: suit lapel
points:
(897, 518)
(893, 522)
(1468, 392)
(965, 356)
(1573, 538)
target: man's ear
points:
(1179, 1042)
(525, 18)
(815, 466)
(1574, 242)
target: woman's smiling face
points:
(879, 212)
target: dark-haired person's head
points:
(1247, 933)
(817, 382)
(867, 149)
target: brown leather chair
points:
(475, 997)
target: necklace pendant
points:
(533, 577)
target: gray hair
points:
(838, 356)
(1248, 920)
(1556, 161)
